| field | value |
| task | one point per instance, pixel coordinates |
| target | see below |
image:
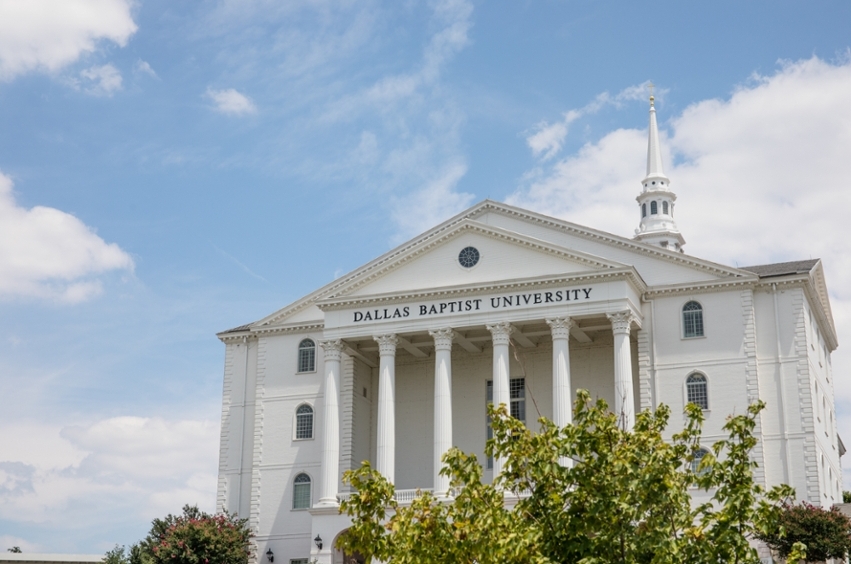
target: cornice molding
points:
(592, 234)
(627, 273)
(700, 287)
(264, 331)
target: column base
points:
(327, 502)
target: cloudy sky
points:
(171, 169)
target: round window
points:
(468, 257)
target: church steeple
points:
(656, 201)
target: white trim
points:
(292, 491)
(312, 422)
(705, 381)
(683, 335)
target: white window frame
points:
(682, 314)
(299, 350)
(312, 422)
(705, 382)
(309, 495)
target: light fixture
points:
(318, 542)
(270, 555)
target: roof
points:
(239, 329)
(782, 268)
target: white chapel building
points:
(396, 361)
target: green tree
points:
(194, 537)
(826, 533)
(846, 496)
(625, 498)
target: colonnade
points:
(501, 334)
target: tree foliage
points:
(624, 499)
(194, 537)
(826, 533)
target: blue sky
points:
(173, 169)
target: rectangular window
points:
(517, 405)
(299, 561)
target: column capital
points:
(501, 332)
(333, 349)
(621, 321)
(560, 326)
(386, 344)
(442, 338)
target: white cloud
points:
(135, 467)
(547, 138)
(145, 68)
(102, 80)
(436, 201)
(231, 102)
(47, 253)
(46, 35)
(762, 177)
(454, 20)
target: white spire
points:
(654, 151)
(656, 201)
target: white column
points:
(562, 395)
(501, 333)
(386, 451)
(624, 395)
(442, 404)
(331, 431)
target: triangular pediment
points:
(502, 255)
(554, 243)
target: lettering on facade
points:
(508, 301)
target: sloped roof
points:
(782, 268)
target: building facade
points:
(396, 362)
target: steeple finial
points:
(656, 201)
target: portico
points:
(444, 339)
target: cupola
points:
(656, 201)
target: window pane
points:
(304, 422)
(306, 356)
(517, 388)
(665, 207)
(489, 432)
(301, 492)
(654, 208)
(696, 390)
(693, 320)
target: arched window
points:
(301, 492)
(643, 210)
(692, 320)
(695, 463)
(696, 390)
(304, 422)
(665, 208)
(654, 208)
(307, 356)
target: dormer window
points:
(654, 208)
